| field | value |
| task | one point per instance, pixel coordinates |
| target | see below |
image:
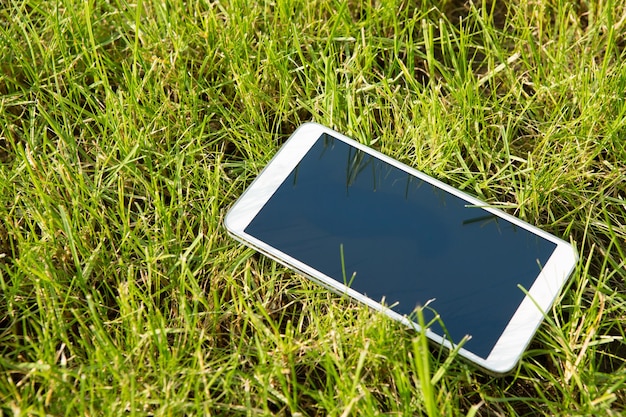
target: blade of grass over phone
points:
(127, 129)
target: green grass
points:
(127, 130)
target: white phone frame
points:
(518, 333)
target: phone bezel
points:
(517, 334)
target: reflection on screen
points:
(403, 241)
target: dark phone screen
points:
(402, 240)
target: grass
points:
(127, 130)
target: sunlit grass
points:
(127, 130)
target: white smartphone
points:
(363, 224)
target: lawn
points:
(128, 129)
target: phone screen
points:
(392, 236)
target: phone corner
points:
(574, 250)
(499, 370)
(309, 127)
(569, 253)
(229, 223)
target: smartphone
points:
(365, 225)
